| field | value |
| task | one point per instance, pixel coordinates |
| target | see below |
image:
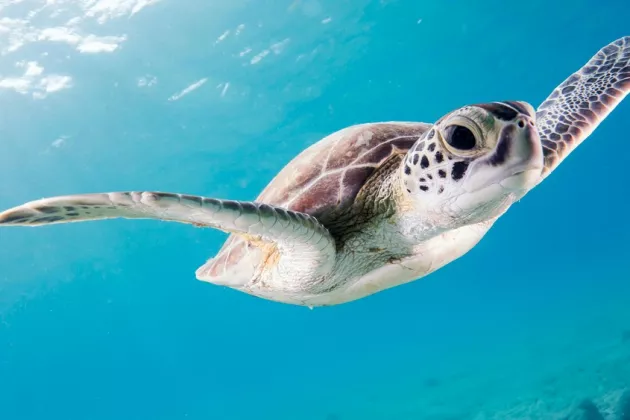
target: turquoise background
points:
(105, 320)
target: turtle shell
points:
(324, 178)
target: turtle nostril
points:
(522, 122)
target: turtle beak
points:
(525, 162)
(517, 160)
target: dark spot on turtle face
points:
(431, 134)
(408, 190)
(68, 208)
(431, 147)
(422, 180)
(407, 170)
(442, 173)
(72, 213)
(439, 157)
(419, 147)
(416, 158)
(503, 148)
(441, 189)
(429, 176)
(424, 163)
(554, 136)
(424, 188)
(85, 207)
(459, 169)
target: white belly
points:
(428, 257)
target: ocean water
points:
(105, 320)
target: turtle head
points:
(474, 163)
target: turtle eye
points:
(460, 137)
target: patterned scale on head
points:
(473, 159)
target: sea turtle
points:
(375, 205)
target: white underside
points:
(427, 258)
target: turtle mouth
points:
(522, 177)
(519, 177)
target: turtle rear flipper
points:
(304, 246)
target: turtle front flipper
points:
(576, 107)
(305, 248)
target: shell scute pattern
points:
(326, 177)
(337, 167)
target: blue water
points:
(105, 320)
